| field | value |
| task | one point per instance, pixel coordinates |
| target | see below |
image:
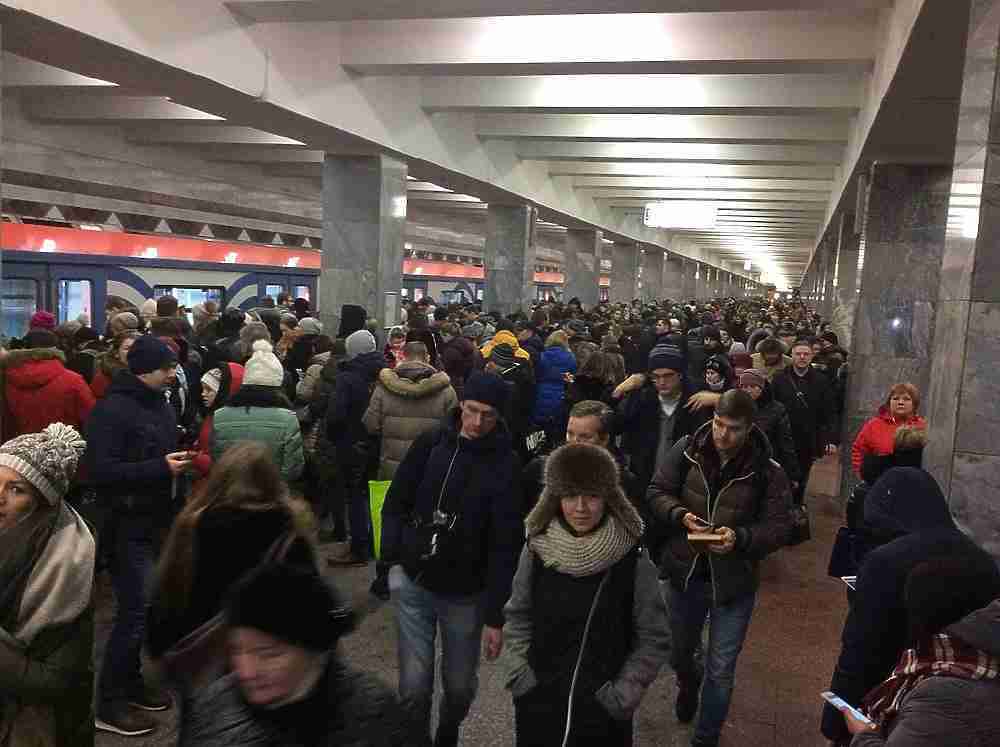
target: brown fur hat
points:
(582, 469)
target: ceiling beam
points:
(687, 43)
(709, 195)
(665, 182)
(209, 135)
(20, 73)
(691, 170)
(259, 155)
(312, 11)
(554, 150)
(653, 128)
(80, 108)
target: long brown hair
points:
(245, 478)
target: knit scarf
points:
(592, 553)
(941, 656)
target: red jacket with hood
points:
(38, 390)
(878, 436)
(232, 380)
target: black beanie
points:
(290, 602)
(487, 388)
(41, 338)
(667, 355)
(149, 354)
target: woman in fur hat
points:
(47, 555)
(586, 627)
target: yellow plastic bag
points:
(376, 499)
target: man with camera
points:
(452, 533)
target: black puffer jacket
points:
(346, 709)
(353, 389)
(908, 504)
(772, 419)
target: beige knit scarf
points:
(592, 553)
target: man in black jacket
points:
(131, 437)
(452, 533)
(808, 397)
(520, 380)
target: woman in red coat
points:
(878, 434)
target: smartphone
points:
(851, 581)
(841, 705)
(704, 537)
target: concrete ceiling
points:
(589, 110)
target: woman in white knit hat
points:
(586, 628)
(260, 411)
(47, 557)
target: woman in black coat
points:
(772, 418)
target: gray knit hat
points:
(47, 460)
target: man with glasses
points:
(721, 503)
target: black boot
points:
(687, 698)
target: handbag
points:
(200, 657)
(843, 556)
(801, 531)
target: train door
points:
(75, 289)
(272, 285)
(22, 293)
(304, 286)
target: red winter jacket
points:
(878, 436)
(232, 380)
(39, 390)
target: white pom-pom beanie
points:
(47, 460)
(263, 368)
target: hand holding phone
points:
(848, 710)
(695, 524)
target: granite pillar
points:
(624, 270)
(690, 286)
(963, 451)
(509, 258)
(673, 276)
(845, 301)
(652, 274)
(893, 334)
(364, 215)
(583, 266)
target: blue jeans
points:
(132, 559)
(727, 630)
(419, 614)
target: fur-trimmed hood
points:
(413, 380)
(32, 368)
(16, 358)
(582, 469)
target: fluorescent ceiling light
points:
(672, 215)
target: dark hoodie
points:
(907, 508)
(476, 481)
(354, 386)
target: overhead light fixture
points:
(747, 265)
(679, 215)
(89, 227)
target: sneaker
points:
(687, 700)
(380, 588)
(150, 699)
(118, 718)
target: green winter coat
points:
(276, 427)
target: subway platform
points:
(789, 655)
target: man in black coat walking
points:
(808, 397)
(131, 438)
(452, 533)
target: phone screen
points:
(851, 581)
(842, 705)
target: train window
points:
(302, 291)
(73, 297)
(480, 294)
(404, 293)
(273, 291)
(18, 302)
(189, 296)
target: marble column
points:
(364, 214)
(673, 276)
(904, 236)
(509, 258)
(963, 452)
(845, 301)
(624, 267)
(652, 274)
(583, 266)
(690, 286)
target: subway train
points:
(72, 271)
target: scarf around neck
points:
(592, 553)
(942, 656)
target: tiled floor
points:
(789, 654)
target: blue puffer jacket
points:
(550, 385)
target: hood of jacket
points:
(229, 383)
(34, 368)
(509, 338)
(981, 629)
(413, 380)
(366, 365)
(906, 500)
(128, 384)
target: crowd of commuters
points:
(575, 493)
